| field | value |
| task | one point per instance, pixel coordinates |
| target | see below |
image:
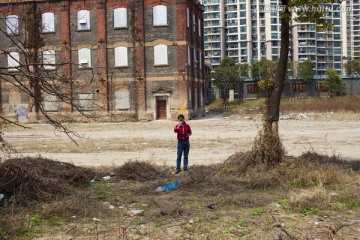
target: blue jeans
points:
(183, 146)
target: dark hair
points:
(181, 116)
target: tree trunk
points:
(275, 96)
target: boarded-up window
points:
(160, 15)
(12, 24)
(48, 22)
(83, 17)
(252, 89)
(86, 101)
(122, 99)
(84, 55)
(120, 18)
(51, 103)
(160, 55)
(13, 61)
(121, 56)
(49, 59)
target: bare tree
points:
(38, 73)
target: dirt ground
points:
(205, 205)
(214, 139)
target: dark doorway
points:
(160, 109)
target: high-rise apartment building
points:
(249, 30)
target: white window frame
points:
(120, 18)
(48, 22)
(83, 20)
(189, 56)
(49, 60)
(187, 17)
(12, 24)
(161, 55)
(199, 27)
(13, 59)
(160, 15)
(84, 56)
(121, 56)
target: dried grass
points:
(138, 171)
(27, 179)
(308, 198)
(337, 104)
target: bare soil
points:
(214, 139)
(300, 199)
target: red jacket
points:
(183, 132)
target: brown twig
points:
(277, 224)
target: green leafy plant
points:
(258, 212)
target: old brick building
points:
(144, 57)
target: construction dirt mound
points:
(28, 179)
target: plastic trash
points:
(92, 180)
(1, 196)
(168, 187)
(106, 178)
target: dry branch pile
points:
(27, 179)
(138, 171)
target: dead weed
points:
(27, 179)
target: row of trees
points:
(230, 75)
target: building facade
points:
(249, 30)
(141, 59)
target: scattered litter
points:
(92, 180)
(135, 212)
(300, 116)
(111, 207)
(144, 205)
(106, 178)
(191, 221)
(96, 220)
(167, 187)
(333, 194)
(1, 196)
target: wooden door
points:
(161, 109)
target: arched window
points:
(84, 55)
(121, 56)
(160, 55)
(83, 17)
(160, 15)
(120, 18)
(48, 22)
